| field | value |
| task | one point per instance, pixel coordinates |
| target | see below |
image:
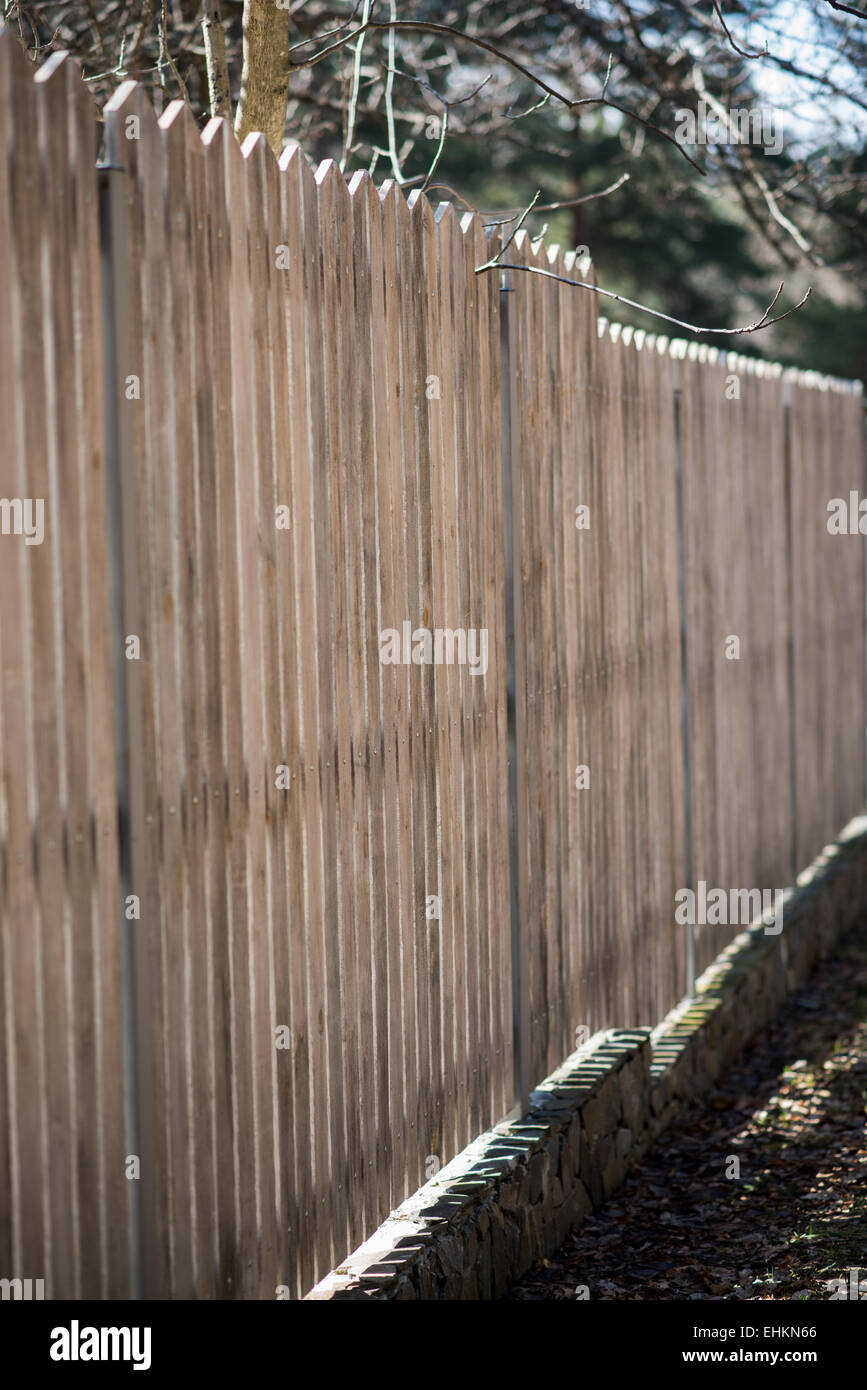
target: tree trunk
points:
(219, 97)
(265, 78)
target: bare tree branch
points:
(572, 103)
(742, 51)
(847, 9)
(166, 59)
(220, 100)
(763, 322)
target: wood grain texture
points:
(62, 1186)
(321, 838)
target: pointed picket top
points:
(256, 146)
(296, 181)
(69, 69)
(215, 131)
(403, 224)
(367, 230)
(421, 210)
(391, 200)
(53, 82)
(691, 349)
(264, 213)
(298, 169)
(179, 122)
(292, 156)
(122, 98)
(223, 138)
(614, 331)
(77, 119)
(476, 251)
(448, 228)
(360, 182)
(57, 63)
(251, 140)
(627, 333)
(536, 252)
(395, 217)
(327, 177)
(364, 191)
(219, 144)
(639, 337)
(387, 190)
(473, 232)
(260, 160)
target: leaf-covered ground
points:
(794, 1113)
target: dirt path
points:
(793, 1113)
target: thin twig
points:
(447, 106)
(317, 38)
(847, 9)
(758, 178)
(353, 96)
(568, 203)
(166, 57)
(389, 106)
(763, 322)
(530, 109)
(489, 265)
(571, 103)
(743, 53)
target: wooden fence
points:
(285, 924)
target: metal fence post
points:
(684, 680)
(125, 619)
(515, 682)
(790, 642)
